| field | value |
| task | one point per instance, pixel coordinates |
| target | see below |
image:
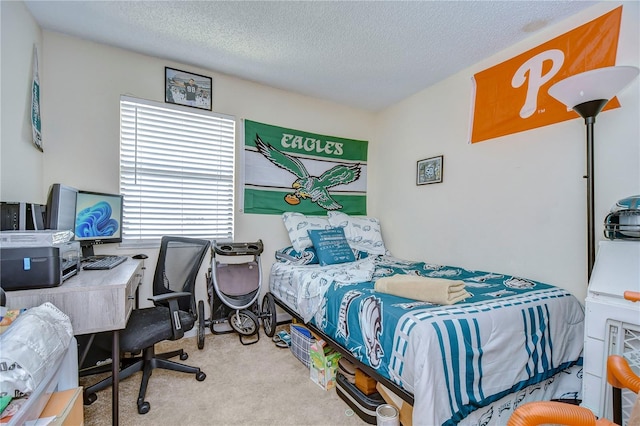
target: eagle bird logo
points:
(307, 186)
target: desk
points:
(95, 301)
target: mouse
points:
(140, 256)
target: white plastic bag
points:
(31, 346)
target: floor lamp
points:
(587, 93)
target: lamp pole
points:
(589, 110)
(591, 240)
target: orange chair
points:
(619, 375)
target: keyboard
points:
(106, 262)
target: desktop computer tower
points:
(97, 353)
(21, 216)
(96, 350)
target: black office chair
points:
(174, 281)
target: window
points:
(176, 172)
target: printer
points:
(30, 261)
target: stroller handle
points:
(238, 249)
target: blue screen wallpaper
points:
(96, 221)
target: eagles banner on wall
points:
(512, 97)
(291, 170)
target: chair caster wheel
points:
(144, 408)
(90, 399)
(200, 376)
(184, 356)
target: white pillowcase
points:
(298, 224)
(362, 233)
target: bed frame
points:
(464, 401)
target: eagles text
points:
(311, 144)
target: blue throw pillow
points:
(331, 246)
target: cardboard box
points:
(406, 410)
(324, 364)
(365, 383)
(66, 407)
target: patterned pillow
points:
(362, 233)
(331, 246)
(297, 226)
(308, 256)
(292, 257)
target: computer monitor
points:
(98, 220)
(60, 212)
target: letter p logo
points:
(534, 68)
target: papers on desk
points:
(43, 238)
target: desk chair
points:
(174, 281)
(619, 375)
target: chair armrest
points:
(169, 296)
(172, 298)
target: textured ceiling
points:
(363, 54)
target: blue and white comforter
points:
(512, 334)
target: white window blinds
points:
(176, 172)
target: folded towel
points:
(440, 291)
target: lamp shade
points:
(597, 84)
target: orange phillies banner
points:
(512, 97)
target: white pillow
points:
(362, 233)
(297, 226)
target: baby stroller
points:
(234, 289)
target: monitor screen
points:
(98, 219)
(61, 208)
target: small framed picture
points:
(429, 170)
(186, 88)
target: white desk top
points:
(94, 300)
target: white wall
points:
(515, 204)
(81, 91)
(20, 161)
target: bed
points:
(512, 340)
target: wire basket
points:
(301, 341)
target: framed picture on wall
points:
(186, 88)
(429, 170)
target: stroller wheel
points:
(269, 314)
(244, 322)
(200, 324)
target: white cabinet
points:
(612, 323)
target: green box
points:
(324, 364)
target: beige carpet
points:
(258, 384)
